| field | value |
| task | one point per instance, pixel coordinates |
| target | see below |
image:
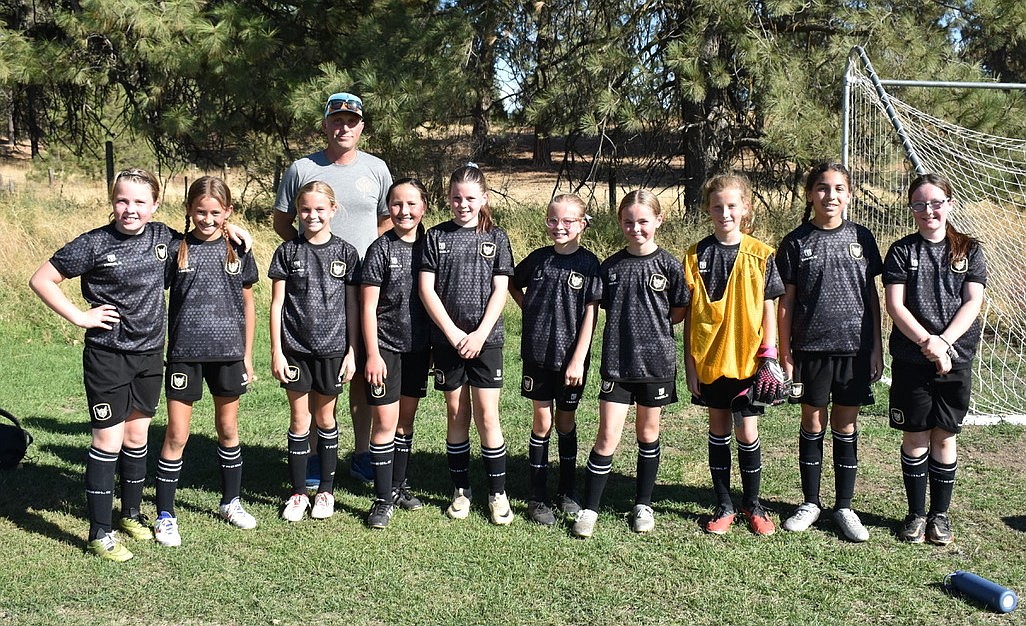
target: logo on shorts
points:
(233, 267)
(498, 374)
(439, 377)
(179, 380)
(661, 393)
(960, 266)
(897, 416)
(160, 251)
(101, 412)
(855, 250)
(291, 374)
(657, 282)
(487, 249)
(797, 389)
(245, 379)
(575, 280)
(607, 386)
(527, 383)
(338, 268)
(377, 391)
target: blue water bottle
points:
(984, 591)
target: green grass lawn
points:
(426, 568)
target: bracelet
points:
(946, 342)
(766, 352)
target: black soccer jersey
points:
(557, 289)
(933, 293)
(832, 271)
(638, 292)
(392, 264)
(464, 262)
(206, 320)
(716, 260)
(126, 271)
(314, 313)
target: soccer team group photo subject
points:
(365, 299)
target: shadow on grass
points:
(1015, 522)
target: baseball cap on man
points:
(343, 103)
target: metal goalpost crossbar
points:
(885, 142)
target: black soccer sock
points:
(719, 468)
(567, 444)
(401, 460)
(327, 454)
(99, 489)
(596, 475)
(495, 466)
(381, 462)
(299, 453)
(538, 457)
(942, 483)
(913, 473)
(749, 461)
(846, 467)
(648, 467)
(458, 455)
(810, 463)
(231, 472)
(168, 474)
(132, 463)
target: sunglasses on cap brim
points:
(337, 106)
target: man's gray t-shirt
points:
(360, 191)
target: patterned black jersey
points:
(832, 271)
(933, 292)
(556, 287)
(638, 292)
(126, 271)
(313, 319)
(716, 260)
(464, 262)
(392, 264)
(206, 320)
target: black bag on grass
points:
(14, 441)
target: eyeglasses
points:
(565, 222)
(334, 106)
(919, 207)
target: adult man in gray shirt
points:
(360, 182)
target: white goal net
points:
(887, 142)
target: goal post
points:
(885, 143)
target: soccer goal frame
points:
(884, 143)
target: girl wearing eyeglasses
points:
(829, 337)
(934, 283)
(558, 288)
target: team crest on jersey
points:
(291, 374)
(607, 386)
(960, 266)
(160, 251)
(797, 390)
(657, 282)
(111, 258)
(897, 416)
(913, 265)
(807, 253)
(395, 263)
(233, 267)
(377, 391)
(527, 383)
(487, 249)
(702, 266)
(612, 278)
(442, 249)
(855, 250)
(575, 280)
(338, 268)
(179, 380)
(101, 412)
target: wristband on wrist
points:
(946, 342)
(766, 352)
